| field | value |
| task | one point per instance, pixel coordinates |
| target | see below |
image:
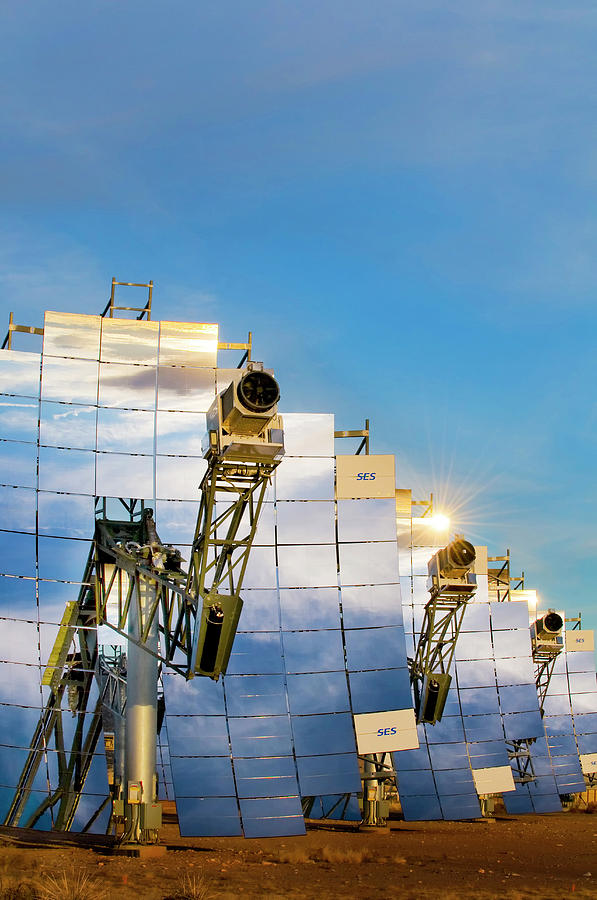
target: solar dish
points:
(107, 422)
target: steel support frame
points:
(24, 329)
(120, 584)
(519, 753)
(377, 773)
(144, 311)
(219, 553)
(112, 684)
(221, 546)
(363, 433)
(499, 578)
(544, 666)
(219, 556)
(338, 805)
(437, 642)
(74, 672)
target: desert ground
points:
(551, 856)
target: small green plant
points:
(73, 885)
(190, 887)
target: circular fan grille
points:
(258, 391)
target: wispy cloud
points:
(184, 303)
(43, 271)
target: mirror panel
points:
(308, 434)
(19, 373)
(129, 341)
(188, 344)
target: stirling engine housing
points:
(243, 422)
(546, 634)
(450, 569)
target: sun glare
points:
(440, 522)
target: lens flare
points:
(440, 522)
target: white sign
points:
(384, 732)
(365, 477)
(493, 780)
(588, 763)
(580, 640)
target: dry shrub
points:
(19, 890)
(190, 887)
(356, 857)
(298, 855)
(294, 856)
(73, 885)
(9, 860)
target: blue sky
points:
(398, 199)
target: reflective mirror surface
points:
(327, 596)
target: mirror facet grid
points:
(116, 408)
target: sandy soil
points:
(545, 857)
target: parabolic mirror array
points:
(113, 411)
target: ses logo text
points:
(366, 476)
(383, 731)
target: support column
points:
(142, 812)
(370, 792)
